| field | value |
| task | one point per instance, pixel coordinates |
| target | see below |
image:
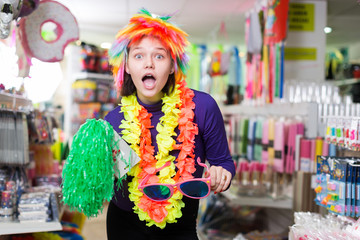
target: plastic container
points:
(84, 91)
(102, 92)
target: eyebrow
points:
(139, 48)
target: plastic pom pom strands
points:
(88, 175)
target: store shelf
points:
(309, 111)
(18, 228)
(346, 81)
(257, 201)
(14, 102)
(94, 76)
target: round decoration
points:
(47, 31)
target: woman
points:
(168, 125)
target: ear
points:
(172, 69)
(127, 68)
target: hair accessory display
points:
(44, 43)
(146, 24)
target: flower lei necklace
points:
(178, 111)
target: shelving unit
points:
(257, 201)
(74, 75)
(18, 228)
(346, 81)
(95, 76)
(307, 110)
(14, 102)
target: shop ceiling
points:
(206, 21)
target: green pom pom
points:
(88, 175)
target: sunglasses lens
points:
(157, 192)
(197, 189)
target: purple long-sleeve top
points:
(210, 143)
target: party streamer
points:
(266, 72)
(282, 70)
(277, 70)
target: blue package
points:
(322, 178)
(353, 189)
(337, 187)
(348, 197)
(357, 193)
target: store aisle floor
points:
(95, 228)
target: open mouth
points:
(149, 81)
(148, 77)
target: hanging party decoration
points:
(276, 21)
(23, 62)
(47, 31)
(28, 7)
(215, 64)
(9, 11)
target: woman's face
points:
(149, 65)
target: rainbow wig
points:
(146, 24)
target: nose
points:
(149, 62)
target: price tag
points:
(126, 158)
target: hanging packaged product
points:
(338, 184)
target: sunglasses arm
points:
(202, 164)
(156, 170)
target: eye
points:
(159, 56)
(138, 56)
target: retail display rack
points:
(307, 111)
(17, 103)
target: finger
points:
(212, 171)
(221, 177)
(215, 177)
(227, 181)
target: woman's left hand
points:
(220, 178)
